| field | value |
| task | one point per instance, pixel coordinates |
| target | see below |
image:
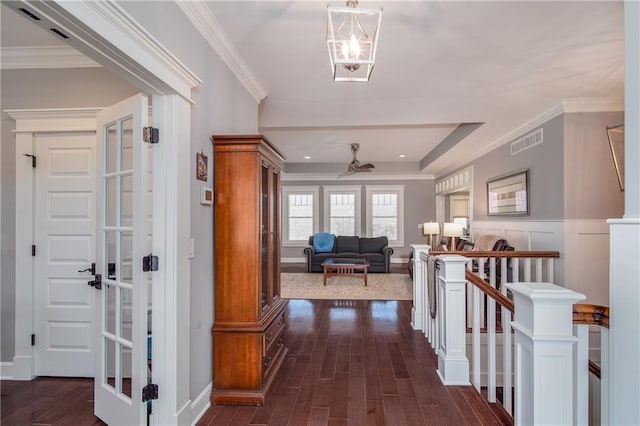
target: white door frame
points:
(136, 57)
(29, 123)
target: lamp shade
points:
(430, 228)
(452, 230)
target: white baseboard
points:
(22, 367)
(201, 404)
(6, 371)
(399, 259)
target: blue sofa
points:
(376, 250)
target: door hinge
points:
(149, 392)
(33, 340)
(33, 250)
(150, 263)
(33, 159)
(150, 134)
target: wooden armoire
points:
(250, 317)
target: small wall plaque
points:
(206, 195)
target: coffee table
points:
(345, 267)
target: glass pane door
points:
(121, 357)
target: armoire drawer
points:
(273, 332)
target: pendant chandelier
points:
(352, 40)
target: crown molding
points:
(141, 39)
(206, 23)
(40, 57)
(564, 106)
(289, 177)
(571, 105)
(105, 32)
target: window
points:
(300, 214)
(385, 213)
(342, 209)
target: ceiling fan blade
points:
(366, 166)
(347, 173)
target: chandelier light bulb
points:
(354, 47)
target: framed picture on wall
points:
(615, 134)
(508, 195)
(201, 166)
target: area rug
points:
(380, 287)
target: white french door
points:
(123, 240)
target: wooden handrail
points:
(585, 313)
(502, 300)
(594, 369)
(519, 254)
(588, 314)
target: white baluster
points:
(507, 400)
(581, 377)
(491, 349)
(605, 376)
(417, 311)
(475, 337)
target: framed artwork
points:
(201, 166)
(206, 196)
(508, 195)
(615, 134)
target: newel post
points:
(544, 341)
(419, 287)
(453, 365)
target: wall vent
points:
(29, 14)
(526, 142)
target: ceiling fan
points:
(354, 165)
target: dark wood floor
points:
(357, 363)
(349, 363)
(47, 401)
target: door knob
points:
(92, 269)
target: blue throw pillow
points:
(323, 242)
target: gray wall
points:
(92, 87)
(419, 207)
(571, 174)
(591, 185)
(545, 165)
(222, 105)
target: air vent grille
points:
(60, 33)
(29, 14)
(526, 142)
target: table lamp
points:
(452, 230)
(430, 229)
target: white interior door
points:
(65, 228)
(121, 310)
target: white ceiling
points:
(439, 64)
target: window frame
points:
(314, 191)
(398, 190)
(327, 191)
